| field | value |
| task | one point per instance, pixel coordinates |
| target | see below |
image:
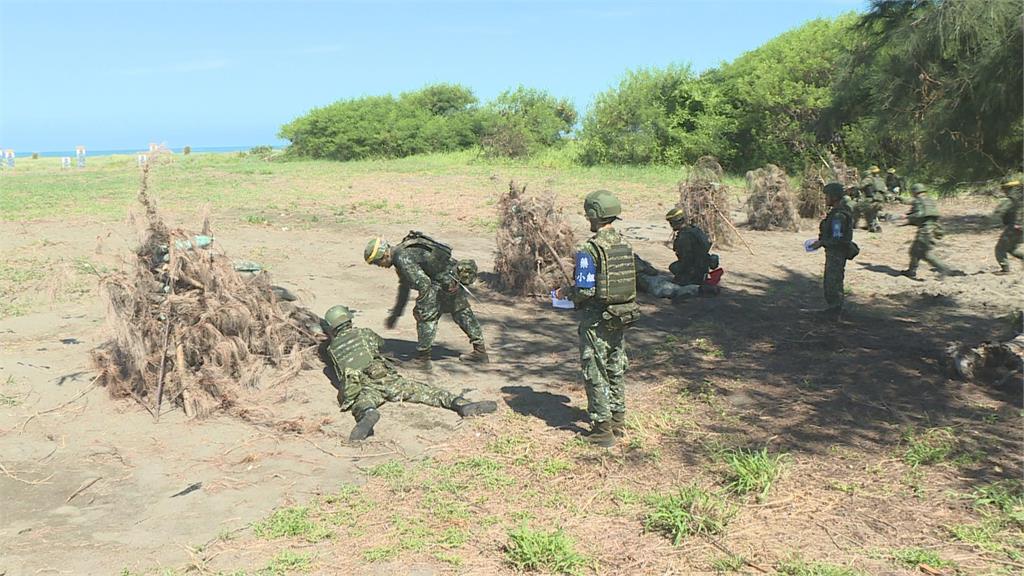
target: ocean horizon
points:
(132, 151)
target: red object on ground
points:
(714, 277)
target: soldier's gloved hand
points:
(391, 321)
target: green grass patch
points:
(927, 447)
(291, 522)
(537, 550)
(799, 567)
(706, 346)
(752, 471)
(554, 466)
(691, 510)
(1005, 497)
(726, 564)
(914, 557)
(287, 562)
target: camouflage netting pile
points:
(187, 327)
(770, 205)
(811, 202)
(535, 243)
(705, 200)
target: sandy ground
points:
(92, 485)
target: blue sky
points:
(113, 75)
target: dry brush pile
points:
(535, 244)
(811, 201)
(705, 200)
(770, 204)
(187, 329)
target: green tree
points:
(943, 80)
(780, 89)
(523, 120)
(658, 116)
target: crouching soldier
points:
(426, 265)
(366, 380)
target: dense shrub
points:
(522, 121)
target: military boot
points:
(467, 409)
(478, 355)
(909, 273)
(619, 424)
(364, 427)
(601, 434)
(422, 361)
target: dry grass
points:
(535, 243)
(705, 199)
(811, 201)
(770, 204)
(187, 329)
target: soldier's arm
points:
(585, 276)
(838, 233)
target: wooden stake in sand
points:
(729, 222)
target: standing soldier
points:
(365, 380)
(835, 234)
(692, 248)
(1010, 212)
(440, 282)
(924, 214)
(605, 294)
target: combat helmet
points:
(918, 188)
(874, 170)
(834, 190)
(1010, 183)
(601, 205)
(890, 171)
(375, 250)
(337, 316)
(675, 215)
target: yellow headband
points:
(373, 253)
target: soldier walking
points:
(924, 213)
(1011, 213)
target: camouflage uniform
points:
(691, 246)
(925, 215)
(650, 281)
(602, 346)
(1010, 212)
(366, 380)
(871, 203)
(835, 233)
(432, 273)
(893, 186)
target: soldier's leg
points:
(616, 370)
(401, 389)
(463, 315)
(1003, 247)
(915, 259)
(835, 273)
(593, 362)
(427, 312)
(369, 397)
(932, 258)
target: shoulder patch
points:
(586, 270)
(837, 228)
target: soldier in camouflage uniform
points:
(365, 379)
(835, 234)
(924, 214)
(651, 281)
(604, 291)
(893, 185)
(440, 282)
(872, 200)
(692, 248)
(1011, 213)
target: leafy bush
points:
(664, 116)
(523, 121)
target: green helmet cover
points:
(834, 190)
(918, 188)
(375, 250)
(337, 315)
(601, 204)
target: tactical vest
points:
(350, 351)
(616, 272)
(438, 262)
(415, 238)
